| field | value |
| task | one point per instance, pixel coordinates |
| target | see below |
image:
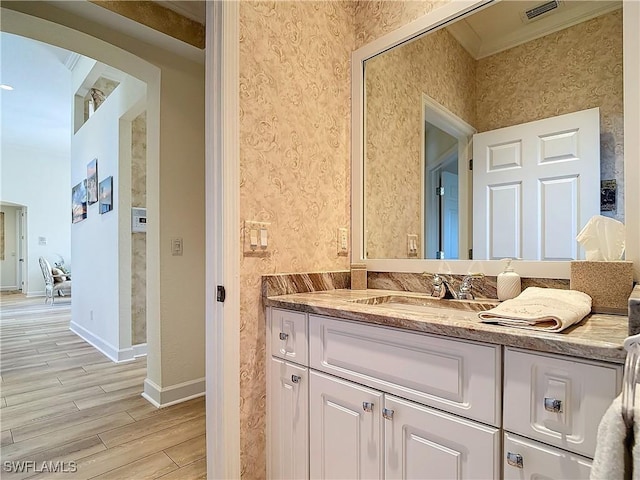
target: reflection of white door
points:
(450, 214)
(535, 185)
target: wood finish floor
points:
(66, 406)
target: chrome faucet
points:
(441, 288)
(466, 285)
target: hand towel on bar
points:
(617, 456)
(536, 308)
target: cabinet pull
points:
(515, 460)
(283, 336)
(296, 378)
(388, 414)
(552, 405)
(367, 406)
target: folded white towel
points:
(547, 309)
(617, 455)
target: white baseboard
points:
(38, 293)
(166, 396)
(114, 354)
(140, 350)
(10, 289)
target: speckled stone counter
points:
(597, 337)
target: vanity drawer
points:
(557, 400)
(289, 336)
(527, 459)
(452, 375)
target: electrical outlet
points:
(412, 245)
(343, 241)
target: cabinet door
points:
(345, 427)
(423, 443)
(529, 460)
(289, 420)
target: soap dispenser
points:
(509, 285)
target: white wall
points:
(175, 183)
(40, 181)
(96, 310)
(35, 155)
(8, 270)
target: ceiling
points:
(503, 25)
(195, 10)
(39, 109)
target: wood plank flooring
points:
(67, 411)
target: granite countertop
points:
(597, 337)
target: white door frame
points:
(222, 214)
(22, 267)
(450, 123)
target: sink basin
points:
(422, 302)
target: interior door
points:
(449, 215)
(535, 185)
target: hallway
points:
(65, 406)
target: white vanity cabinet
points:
(346, 429)
(289, 422)
(287, 395)
(422, 442)
(350, 400)
(559, 402)
(360, 433)
(527, 459)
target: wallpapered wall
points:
(139, 240)
(570, 70)
(395, 83)
(295, 157)
(577, 68)
(294, 166)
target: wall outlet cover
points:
(343, 241)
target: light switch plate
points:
(176, 246)
(412, 245)
(256, 238)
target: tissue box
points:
(608, 283)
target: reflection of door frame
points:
(431, 208)
(22, 260)
(450, 123)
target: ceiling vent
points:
(542, 9)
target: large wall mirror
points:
(419, 101)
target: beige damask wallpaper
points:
(294, 154)
(570, 70)
(395, 82)
(295, 157)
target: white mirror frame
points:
(539, 269)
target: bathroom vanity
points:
(363, 389)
